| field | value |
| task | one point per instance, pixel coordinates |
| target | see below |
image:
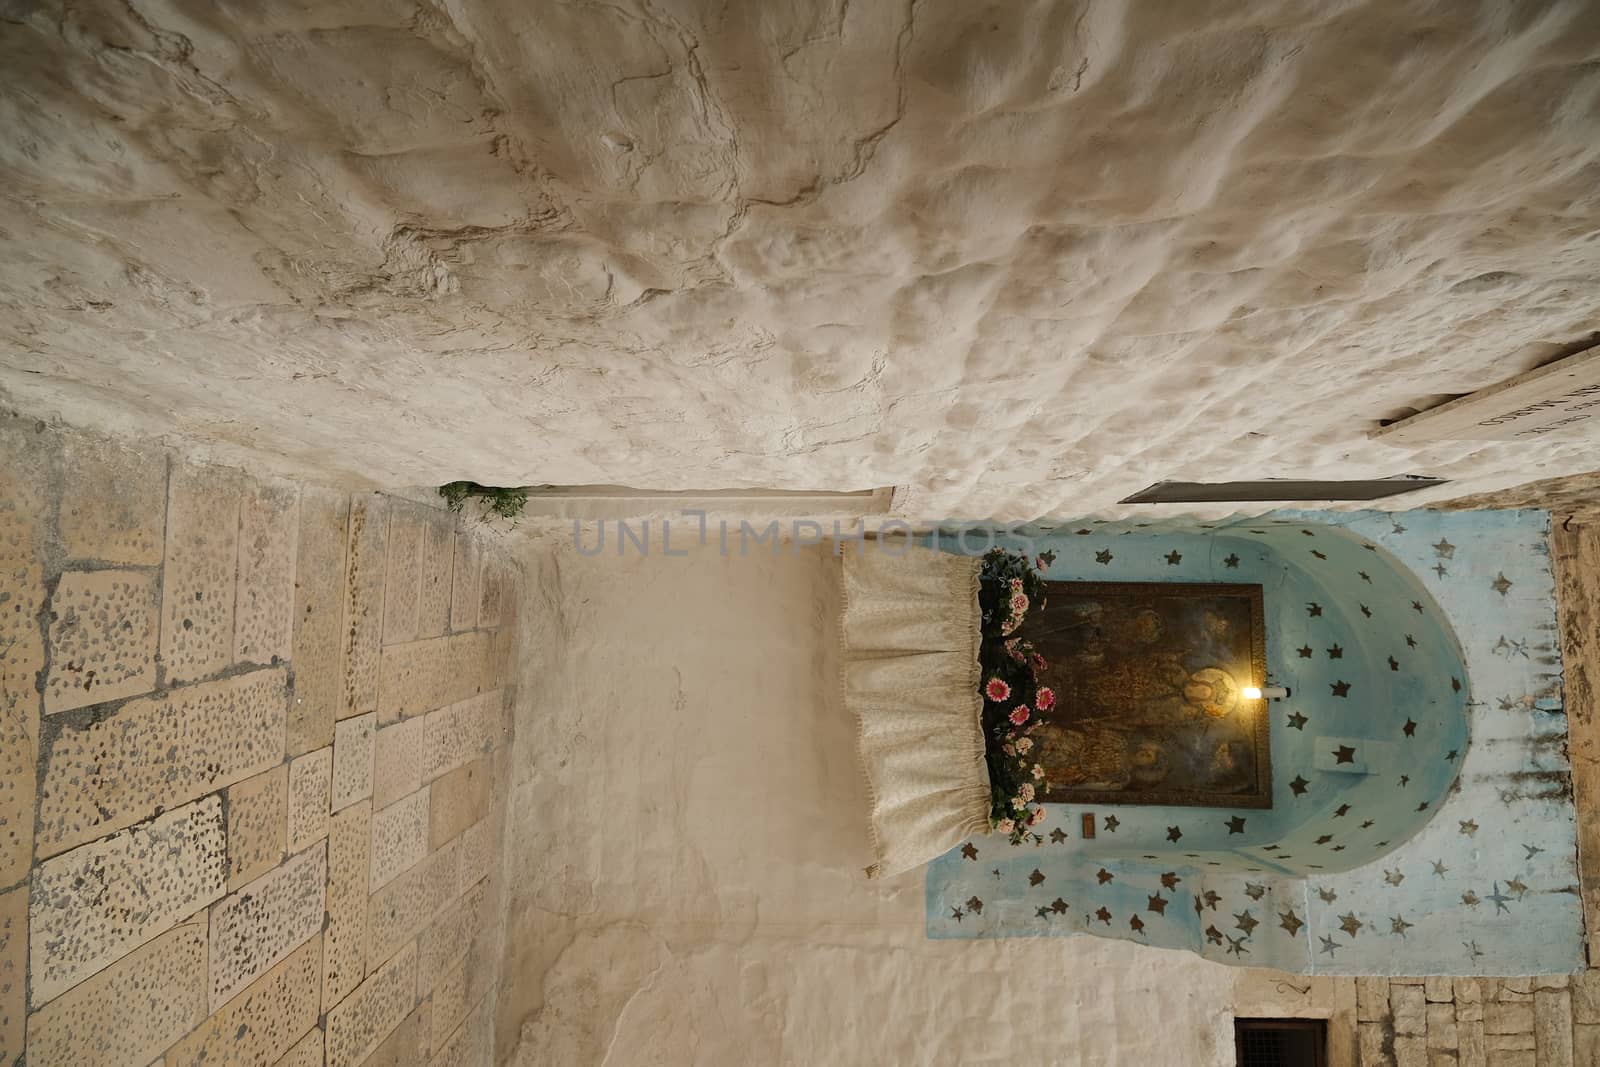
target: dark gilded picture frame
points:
(1149, 708)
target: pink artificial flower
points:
(1023, 746)
(1016, 585)
(1038, 772)
(1019, 603)
(1014, 652)
(1037, 817)
(997, 690)
(1018, 803)
(1046, 698)
(1038, 662)
(1019, 715)
(1005, 826)
(1010, 750)
(1025, 791)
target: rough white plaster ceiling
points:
(1024, 257)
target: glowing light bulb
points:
(1257, 692)
(1252, 692)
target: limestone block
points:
(354, 749)
(1468, 991)
(471, 666)
(113, 503)
(13, 971)
(400, 910)
(362, 632)
(1442, 1026)
(458, 800)
(358, 1024)
(1504, 1058)
(454, 993)
(448, 937)
(197, 593)
(1470, 1043)
(461, 732)
(349, 865)
(310, 791)
(478, 849)
(264, 611)
(256, 825)
(158, 752)
(408, 1045)
(1586, 997)
(470, 1043)
(402, 586)
(260, 1025)
(1586, 1045)
(103, 631)
(1438, 989)
(1442, 1058)
(1408, 1005)
(1372, 999)
(438, 555)
(308, 1053)
(1500, 1017)
(258, 926)
(415, 678)
(1410, 1051)
(1512, 987)
(21, 660)
(491, 593)
(399, 838)
(400, 759)
(1552, 1027)
(464, 579)
(318, 612)
(131, 1011)
(1372, 1041)
(1508, 1042)
(98, 902)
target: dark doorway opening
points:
(1281, 1042)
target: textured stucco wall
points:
(686, 838)
(1024, 258)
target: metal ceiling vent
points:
(1279, 490)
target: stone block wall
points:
(1550, 1021)
(252, 766)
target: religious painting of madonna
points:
(1149, 680)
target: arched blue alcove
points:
(1371, 740)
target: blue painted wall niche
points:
(1362, 613)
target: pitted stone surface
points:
(407, 1046)
(358, 1024)
(349, 866)
(198, 575)
(98, 902)
(438, 555)
(131, 1011)
(399, 838)
(264, 611)
(402, 586)
(103, 629)
(256, 825)
(471, 1042)
(254, 928)
(318, 613)
(21, 645)
(308, 1053)
(400, 910)
(363, 602)
(13, 971)
(159, 752)
(113, 503)
(478, 845)
(260, 1025)
(457, 800)
(415, 678)
(461, 732)
(310, 786)
(454, 991)
(464, 578)
(491, 593)
(398, 770)
(354, 744)
(448, 937)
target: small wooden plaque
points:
(1088, 825)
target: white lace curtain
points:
(911, 636)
